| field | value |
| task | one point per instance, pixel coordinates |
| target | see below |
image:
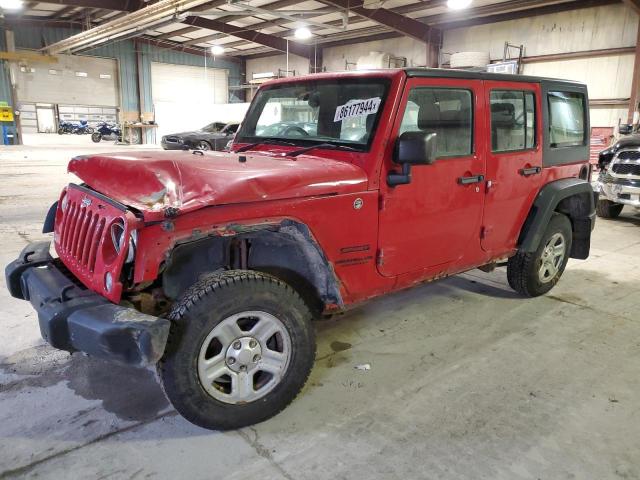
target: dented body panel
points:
(152, 182)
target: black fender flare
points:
(572, 196)
(286, 249)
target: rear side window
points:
(566, 119)
(513, 120)
(445, 111)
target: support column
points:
(635, 84)
(13, 80)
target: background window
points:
(513, 123)
(566, 119)
(446, 112)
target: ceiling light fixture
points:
(11, 4)
(217, 50)
(303, 33)
(458, 4)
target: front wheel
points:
(96, 137)
(203, 145)
(241, 348)
(608, 209)
(60, 131)
(535, 273)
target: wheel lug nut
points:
(231, 360)
(253, 344)
(256, 358)
(237, 345)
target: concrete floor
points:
(467, 380)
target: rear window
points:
(567, 119)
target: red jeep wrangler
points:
(339, 187)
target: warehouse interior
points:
(459, 378)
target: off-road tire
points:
(608, 209)
(522, 268)
(204, 305)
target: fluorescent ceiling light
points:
(458, 4)
(11, 4)
(303, 33)
(217, 50)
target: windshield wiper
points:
(330, 146)
(266, 141)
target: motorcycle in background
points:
(83, 128)
(79, 129)
(65, 127)
(106, 131)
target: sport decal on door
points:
(357, 108)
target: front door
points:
(434, 221)
(514, 161)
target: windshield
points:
(342, 112)
(214, 127)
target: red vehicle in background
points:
(213, 265)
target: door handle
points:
(470, 180)
(527, 172)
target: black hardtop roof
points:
(470, 74)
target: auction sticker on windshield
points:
(357, 108)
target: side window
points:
(566, 119)
(445, 111)
(513, 120)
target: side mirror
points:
(416, 148)
(412, 148)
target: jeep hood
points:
(153, 182)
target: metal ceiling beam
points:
(634, 4)
(395, 21)
(270, 41)
(177, 33)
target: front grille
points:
(80, 234)
(626, 169)
(629, 155)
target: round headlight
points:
(117, 235)
(133, 241)
(64, 203)
(108, 281)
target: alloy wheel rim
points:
(204, 146)
(552, 258)
(244, 357)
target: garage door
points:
(184, 97)
(72, 80)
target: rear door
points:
(435, 219)
(514, 161)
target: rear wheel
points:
(608, 209)
(240, 349)
(535, 273)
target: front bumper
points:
(74, 318)
(626, 192)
